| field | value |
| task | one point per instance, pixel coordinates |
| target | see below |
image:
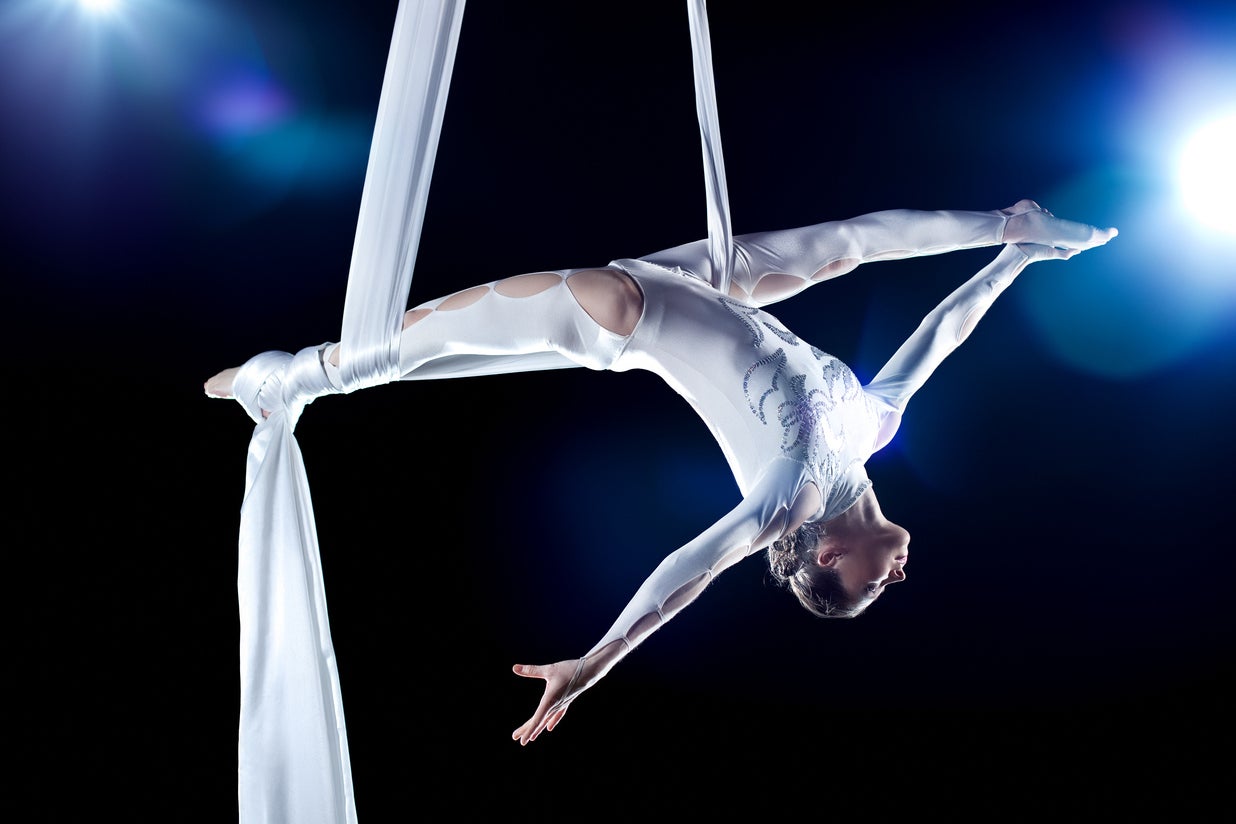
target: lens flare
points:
(1207, 174)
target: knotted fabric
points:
(293, 764)
(293, 748)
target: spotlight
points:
(1207, 174)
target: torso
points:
(767, 396)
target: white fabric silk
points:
(720, 235)
(293, 763)
(405, 143)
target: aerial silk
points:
(293, 763)
(720, 235)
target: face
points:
(869, 562)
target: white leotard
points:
(784, 413)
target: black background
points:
(1064, 645)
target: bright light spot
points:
(1207, 174)
(99, 6)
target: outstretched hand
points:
(559, 679)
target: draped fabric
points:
(405, 142)
(293, 763)
(720, 236)
(293, 747)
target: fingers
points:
(529, 671)
(529, 731)
(1037, 251)
(522, 734)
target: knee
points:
(610, 297)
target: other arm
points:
(677, 581)
(1035, 236)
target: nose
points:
(898, 574)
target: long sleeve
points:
(758, 520)
(939, 333)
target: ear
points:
(829, 557)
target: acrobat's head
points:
(838, 568)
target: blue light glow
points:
(245, 105)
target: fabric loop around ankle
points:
(281, 382)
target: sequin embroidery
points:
(809, 433)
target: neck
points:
(865, 516)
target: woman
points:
(795, 424)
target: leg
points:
(536, 321)
(771, 266)
(545, 320)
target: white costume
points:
(785, 413)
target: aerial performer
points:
(795, 424)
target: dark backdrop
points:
(180, 191)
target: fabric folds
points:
(720, 234)
(293, 763)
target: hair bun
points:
(784, 562)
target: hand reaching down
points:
(560, 679)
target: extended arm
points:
(677, 581)
(1034, 235)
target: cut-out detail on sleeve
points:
(642, 628)
(686, 594)
(976, 313)
(760, 518)
(943, 329)
(608, 655)
(730, 558)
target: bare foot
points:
(220, 386)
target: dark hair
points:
(791, 561)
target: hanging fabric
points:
(720, 235)
(293, 750)
(392, 211)
(293, 761)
